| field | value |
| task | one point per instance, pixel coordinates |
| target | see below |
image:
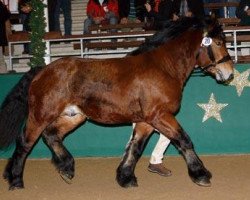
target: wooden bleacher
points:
(126, 36)
(130, 29)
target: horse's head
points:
(213, 57)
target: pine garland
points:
(37, 25)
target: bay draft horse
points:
(144, 87)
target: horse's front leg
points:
(169, 126)
(125, 172)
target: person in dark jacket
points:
(51, 14)
(4, 16)
(131, 11)
(159, 11)
(243, 12)
(189, 8)
(63, 6)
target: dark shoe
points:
(159, 169)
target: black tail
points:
(14, 109)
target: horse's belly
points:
(112, 113)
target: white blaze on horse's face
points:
(224, 71)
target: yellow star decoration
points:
(240, 81)
(212, 109)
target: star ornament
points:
(240, 81)
(212, 109)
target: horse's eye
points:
(218, 43)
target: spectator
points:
(25, 10)
(243, 12)
(65, 7)
(159, 11)
(4, 16)
(51, 15)
(232, 10)
(180, 8)
(217, 12)
(189, 8)
(101, 12)
(131, 11)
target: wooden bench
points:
(212, 7)
(124, 35)
(220, 5)
(122, 40)
(118, 27)
(231, 21)
(24, 36)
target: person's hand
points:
(189, 14)
(148, 7)
(98, 20)
(105, 8)
(137, 21)
(124, 20)
(248, 12)
(175, 17)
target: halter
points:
(211, 56)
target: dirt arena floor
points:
(95, 180)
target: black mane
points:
(171, 30)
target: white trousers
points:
(159, 150)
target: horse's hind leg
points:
(53, 136)
(14, 170)
(125, 172)
(168, 126)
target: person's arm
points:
(197, 8)
(124, 7)
(241, 10)
(176, 7)
(141, 12)
(5, 13)
(113, 7)
(150, 10)
(92, 12)
(166, 10)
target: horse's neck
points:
(182, 57)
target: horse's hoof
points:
(202, 182)
(66, 177)
(127, 182)
(17, 186)
(130, 184)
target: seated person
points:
(159, 11)
(131, 11)
(189, 8)
(101, 12)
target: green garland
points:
(37, 25)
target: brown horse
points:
(144, 87)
